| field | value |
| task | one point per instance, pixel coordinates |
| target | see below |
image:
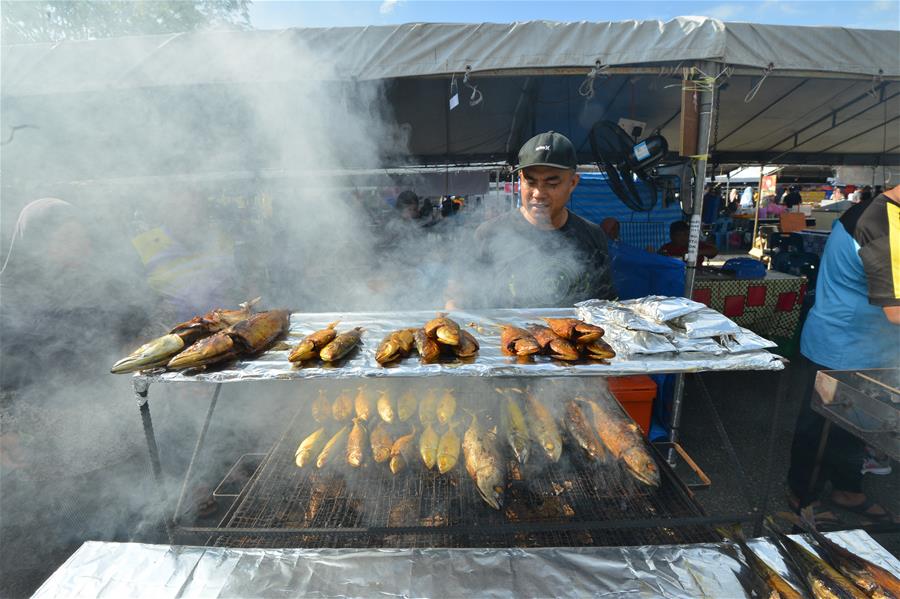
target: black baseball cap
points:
(548, 149)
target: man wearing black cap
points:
(540, 255)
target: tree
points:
(58, 20)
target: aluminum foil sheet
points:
(702, 345)
(630, 343)
(490, 361)
(663, 309)
(609, 312)
(114, 570)
(704, 323)
(746, 341)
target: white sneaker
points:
(872, 466)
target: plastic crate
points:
(636, 394)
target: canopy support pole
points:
(705, 95)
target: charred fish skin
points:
(332, 448)
(356, 443)
(582, 432)
(623, 439)
(517, 435)
(381, 443)
(428, 446)
(822, 579)
(484, 464)
(448, 449)
(310, 346)
(543, 428)
(402, 452)
(310, 447)
(342, 345)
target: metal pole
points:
(762, 169)
(141, 389)
(706, 118)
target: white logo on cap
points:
(547, 147)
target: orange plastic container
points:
(636, 394)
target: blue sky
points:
(867, 14)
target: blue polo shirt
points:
(847, 328)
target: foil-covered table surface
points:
(490, 360)
(114, 570)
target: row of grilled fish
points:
(215, 337)
(567, 339)
(370, 402)
(439, 335)
(830, 572)
(326, 344)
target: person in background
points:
(771, 208)
(865, 195)
(792, 199)
(407, 205)
(854, 325)
(611, 227)
(747, 198)
(679, 232)
(734, 202)
(837, 195)
(712, 204)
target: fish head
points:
(642, 466)
(154, 353)
(305, 350)
(211, 349)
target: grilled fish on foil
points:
(484, 463)
(321, 407)
(395, 345)
(516, 431)
(448, 449)
(446, 407)
(363, 404)
(380, 441)
(356, 443)
(341, 345)
(552, 344)
(775, 586)
(333, 448)
(517, 342)
(443, 329)
(583, 433)
(468, 345)
(313, 343)
(599, 349)
(385, 407)
(403, 451)
(574, 329)
(310, 447)
(822, 580)
(342, 408)
(406, 406)
(623, 438)
(543, 428)
(428, 348)
(428, 446)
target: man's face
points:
(680, 237)
(545, 193)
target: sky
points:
(864, 14)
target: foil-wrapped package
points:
(633, 343)
(703, 344)
(661, 308)
(745, 341)
(704, 323)
(605, 312)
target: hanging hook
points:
(876, 81)
(476, 98)
(586, 89)
(755, 89)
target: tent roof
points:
(435, 49)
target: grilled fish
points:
(428, 446)
(553, 344)
(332, 448)
(448, 449)
(446, 407)
(599, 350)
(313, 343)
(428, 349)
(356, 443)
(153, 354)
(443, 329)
(468, 345)
(428, 407)
(517, 342)
(543, 428)
(380, 441)
(406, 406)
(363, 404)
(573, 329)
(310, 447)
(871, 578)
(484, 463)
(402, 451)
(824, 581)
(321, 407)
(623, 438)
(342, 408)
(395, 345)
(776, 586)
(513, 421)
(385, 407)
(341, 345)
(583, 433)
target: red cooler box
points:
(636, 394)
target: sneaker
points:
(872, 466)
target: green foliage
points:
(57, 20)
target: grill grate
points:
(570, 503)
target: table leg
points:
(141, 390)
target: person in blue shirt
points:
(854, 325)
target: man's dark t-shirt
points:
(522, 266)
(792, 199)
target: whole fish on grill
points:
(385, 407)
(342, 345)
(485, 463)
(543, 428)
(333, 448)
(356, 443)
(342, 408)
(428, 446)
(516, 431)
(363, 404)
(245, 338)
(313, 343)
(157, 353)
(321, 407)
(821, 579)
(428, 407)
(446, 407)
(448, 449)
(583, 433)
(403, 451)
(395, 345)
(406, 406)
(468, 345)
(310, 447)
(623, 438)
(774, 585)
(553, 344)
(443, 329)
(428, 348)
(517, 342)
(380, 441)
(874, 580)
